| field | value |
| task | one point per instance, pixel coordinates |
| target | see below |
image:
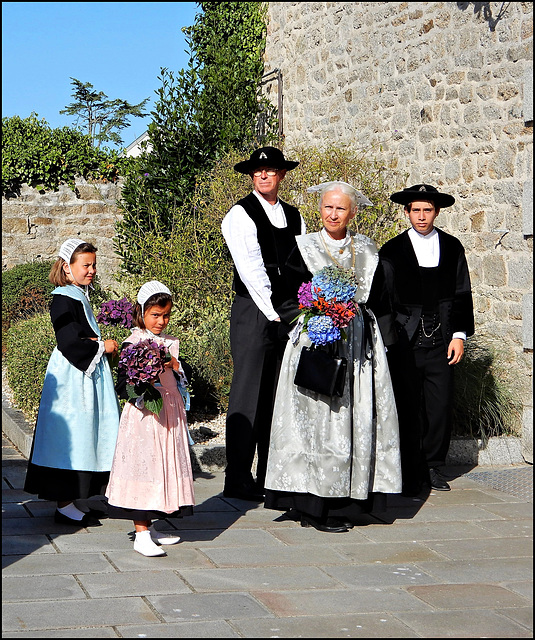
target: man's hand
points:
(455, 350)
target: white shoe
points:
(143, 544)
(162, 537)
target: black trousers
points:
(423, 387)
(257, 349)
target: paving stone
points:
(273, 556)
(91, 542)
(387, 552)
(27, 525)
(213, 504)
(56, 563)
(49, 587)
(248, 579)
(420, 532)
(490, 570)
(465, 496)
(453, 513)
(339, 602)
(369, 625)
(177, 557)
(468, 596)
(87, 632)
(232, 538)
(26, 545)
(490, 548)
(523, 616)
(209, 606)
(523, 588)
(132, 583)
(208, 629)
(513, 528)
(476, 623)
(379, 574)
(14, 510)
(79, 613)
(298, 535)
(511, 509)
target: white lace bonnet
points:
(148, 290)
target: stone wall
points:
(34, 224)
(443, 92)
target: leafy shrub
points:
(25, 290)
(207, 348)
(44, 158)
(30, 343)
(484, 404)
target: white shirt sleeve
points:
(240, 235)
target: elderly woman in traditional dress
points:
(332, 457)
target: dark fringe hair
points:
(57, 275)
(160, 299)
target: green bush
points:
(30, 343)
(44, 158)
(25, 290)
(484, 403)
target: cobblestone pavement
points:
(451, 564)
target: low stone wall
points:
(35, 224)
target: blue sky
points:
(119, 47)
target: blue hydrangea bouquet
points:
(327, 304)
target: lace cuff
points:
(92, 365)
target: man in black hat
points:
(428, 282)
(260, 233)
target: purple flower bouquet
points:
(116, 313)
(143, 363)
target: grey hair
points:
(345, 188)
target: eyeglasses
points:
(269, 172)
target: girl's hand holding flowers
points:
(143, 363)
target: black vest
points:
(275, 245)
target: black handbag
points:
(322, 371)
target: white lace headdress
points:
(361, 199)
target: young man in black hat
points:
(428, 282)
(260, 233)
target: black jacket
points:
(405, 289)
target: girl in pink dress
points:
(151, 476)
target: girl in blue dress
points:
(78, 417)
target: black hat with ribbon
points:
(265, 157)
(423, 192)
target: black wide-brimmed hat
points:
(265, 157)
(423, 192)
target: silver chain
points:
(432, 332)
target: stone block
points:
(494, 271)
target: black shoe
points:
(329, 525)
(86, 521)
(437, 481)
(343, 521)
(248, 492)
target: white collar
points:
(420, 237)
(339, 244)
(267, 205)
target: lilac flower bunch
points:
(143, 364)
(116, 313)
(327, 304)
